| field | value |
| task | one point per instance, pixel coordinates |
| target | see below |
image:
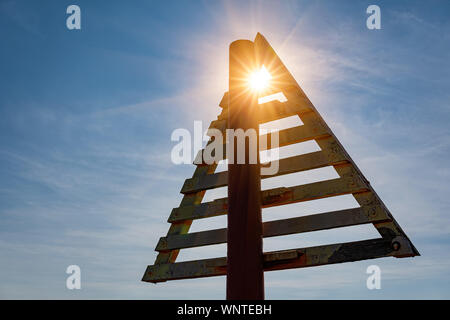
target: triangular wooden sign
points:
(392, 241)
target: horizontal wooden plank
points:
(275, 110)
(272, 110)
(277, 260)
(274, 197)
(289, 165)
(292, 93)
(206, 182)
(315, 222)
(314, 130)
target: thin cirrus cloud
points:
(97, 187)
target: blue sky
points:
(87, 115)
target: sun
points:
(259, 79)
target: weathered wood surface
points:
(314, 130)
(351, 181)
(277, 260)
(299, 163)
(274, 197)
(321, 221)
(270, 111)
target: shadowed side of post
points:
(245, 276)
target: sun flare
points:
(259, 79)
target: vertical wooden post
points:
(245, 273)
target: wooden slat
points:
(332, 146)
(275, 197)
(191, 199)
(277, 260)
(314, 130)
(322, 221)
(211, 181)
(165, 270)
(291, 89)
(289, 165)
(183, 227)
(300, 102)
(272, 110)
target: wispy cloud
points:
(94, 186)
